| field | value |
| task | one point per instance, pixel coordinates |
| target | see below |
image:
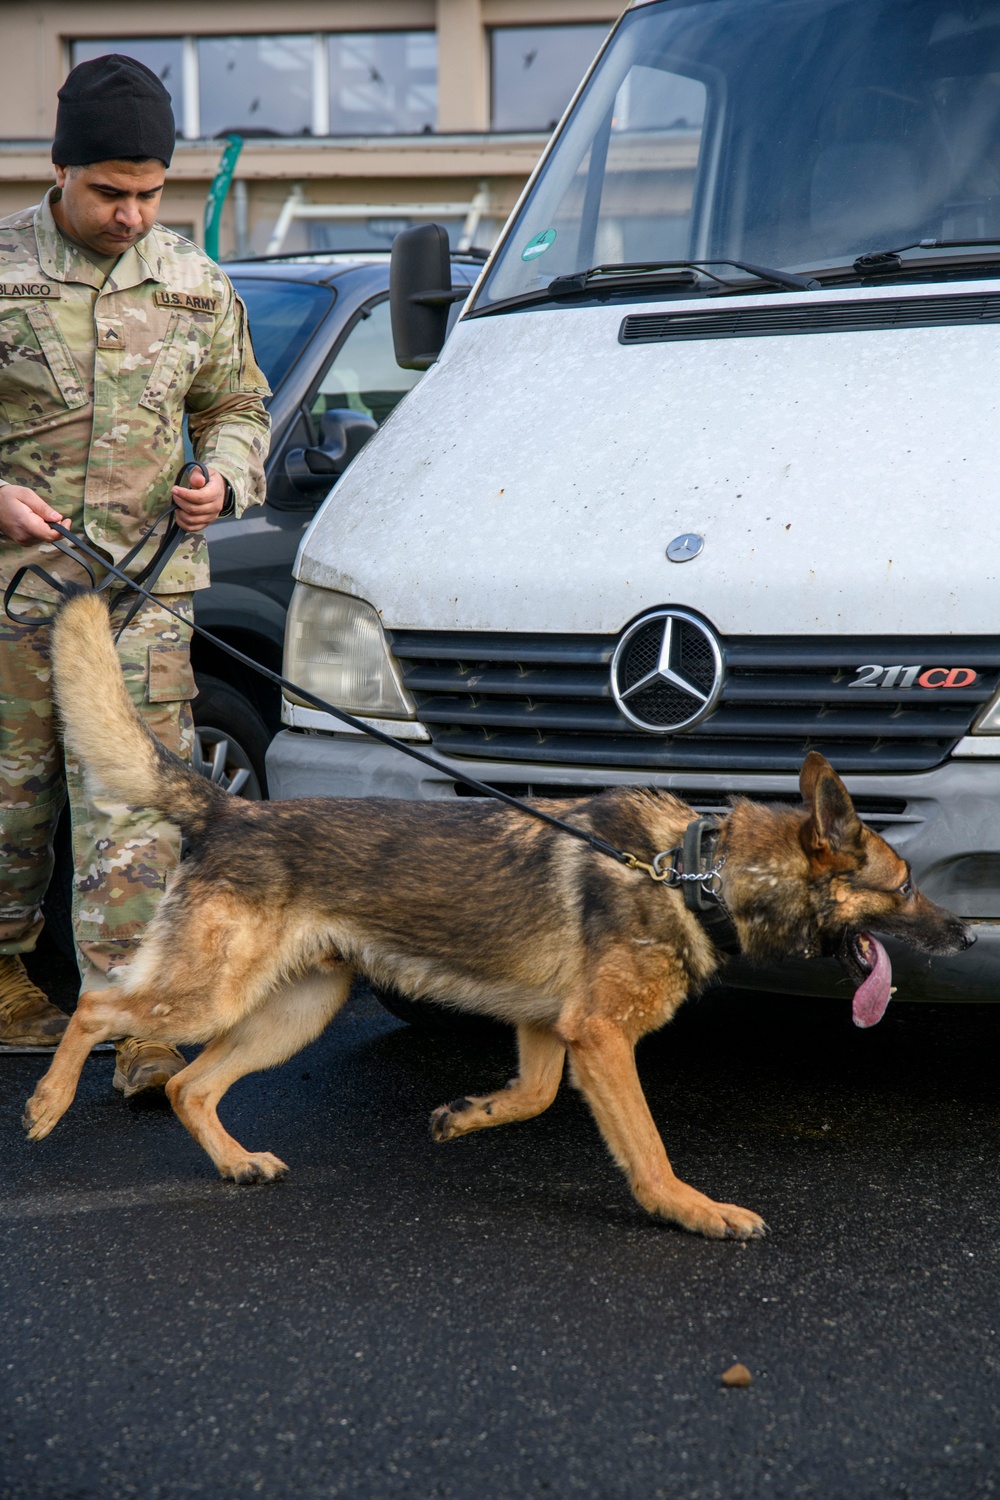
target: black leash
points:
(682, 867)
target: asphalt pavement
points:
(495, 1317)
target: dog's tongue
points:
(872, 995)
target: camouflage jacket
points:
(97, 375)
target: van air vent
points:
(809, 317)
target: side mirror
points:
(420, 294)
(342, 435)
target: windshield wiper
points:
(632, 272)
(628, 275)
(887, 262)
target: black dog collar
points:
(698, 875)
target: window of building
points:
(535, 71)
(255, 85)
(371, 232)
(383, 82)
(164, 57)
(346, 83)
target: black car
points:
(321, 333)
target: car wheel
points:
(231, 739)
(431, 1015)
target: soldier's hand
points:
(200, 503)
(23, 515)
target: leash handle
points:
(185, 470)
(79, 552)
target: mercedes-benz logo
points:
(683, 548)
(667, 671)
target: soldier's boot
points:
(141, 1066)
(29, 1022)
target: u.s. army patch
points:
(190, 301)
(29, 289)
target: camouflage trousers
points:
(121, 855)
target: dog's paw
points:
(259, 1167)
(741, 1223)
(724, 1221)
(445, 1124)
(42, 1114)
(698, 1214)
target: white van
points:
(708, 474)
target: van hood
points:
(843, 483)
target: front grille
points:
(546, 699)
(858, 316)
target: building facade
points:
(358, 117)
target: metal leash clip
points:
(668, 875)
(665, 877)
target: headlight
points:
(335, 648)
(988, 721)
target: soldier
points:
(112, 329)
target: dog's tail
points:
(120, 756)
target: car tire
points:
(231, 739)
(432, 1016)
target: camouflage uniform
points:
(96, 377)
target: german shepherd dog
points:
(279, 905)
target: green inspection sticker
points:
(539, 244)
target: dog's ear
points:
(832, 825)
(812, 769)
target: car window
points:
(283, 315)
(364, 375)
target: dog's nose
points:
(968, 937)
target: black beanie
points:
(110, 109)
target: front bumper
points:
(947, 825)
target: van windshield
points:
(789, 133)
